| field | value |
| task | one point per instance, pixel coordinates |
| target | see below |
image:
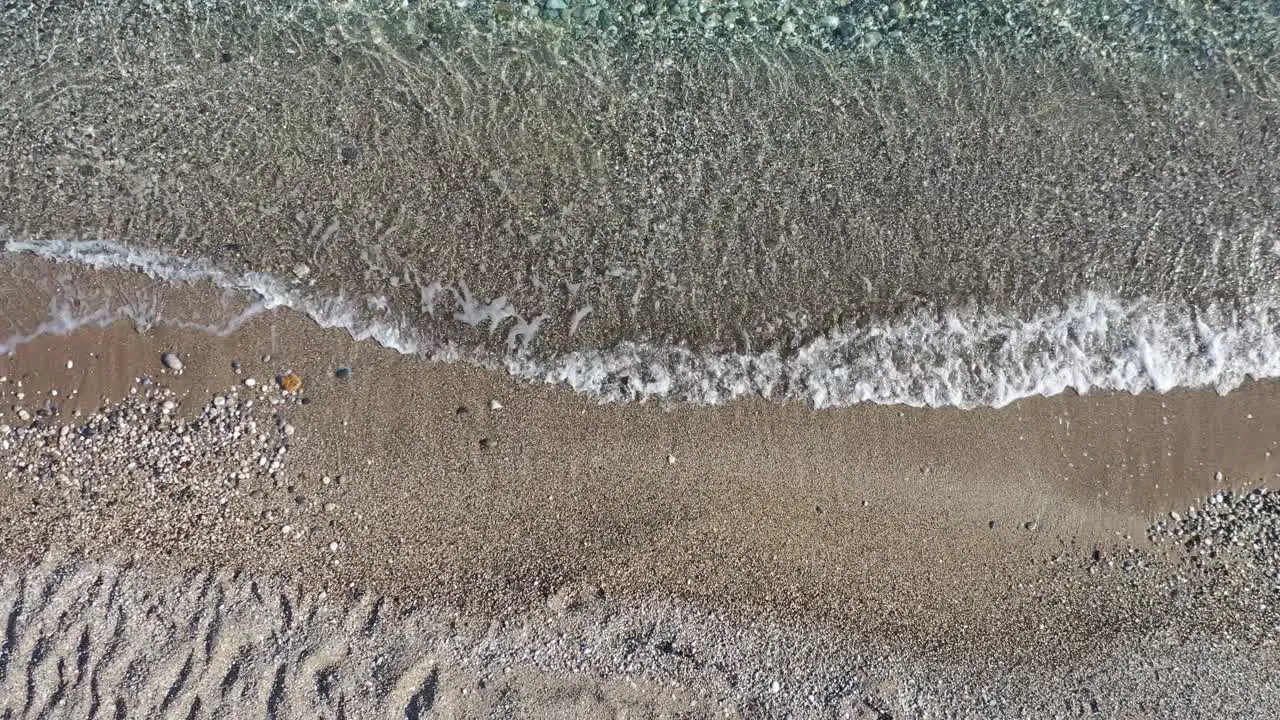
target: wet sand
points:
(946, 537)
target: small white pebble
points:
(219, 401)
(70, 364)
(286, 529)
(250, 382)
(21, 396)
(671, 459)
(494, 405)
(288, 430)
(333, 547)
(326, 480)
(54, 393)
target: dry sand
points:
(558, 558)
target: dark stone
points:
(350, 154)
(226, 57)
(462, 410)
(488, 443)
(342, 373)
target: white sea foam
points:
(965, 358)
(63, 319)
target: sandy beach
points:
(745, 557)
(581, 359)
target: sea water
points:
(940, 204)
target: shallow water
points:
(925, 204)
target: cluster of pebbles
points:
(145, 474)
(1231, 539)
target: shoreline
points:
(1089, 469)
(869, 526)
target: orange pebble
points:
(291, 383)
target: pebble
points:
(1031, 525)
(330, 507)
(289, 430)
(171, 361)
(495, 406)
(301, 270)
(70, 364)
(168, 406)
(342, 373)
(333, 546)
(219, 401)
(488, 443)
(250, 382)
(671, 459)
(290, 382)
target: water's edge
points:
(963, 358)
